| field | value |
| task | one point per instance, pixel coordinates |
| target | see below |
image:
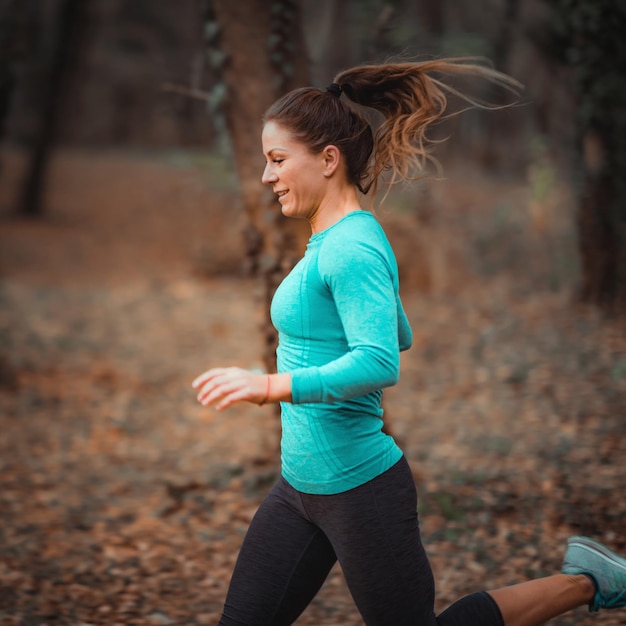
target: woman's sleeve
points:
(360, 279)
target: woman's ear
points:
(332, 158)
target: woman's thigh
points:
(282, 564)
(375, 533)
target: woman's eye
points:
(278, 160)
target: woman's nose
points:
(268, 175)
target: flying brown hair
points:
(410, 97)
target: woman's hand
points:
(223, 386)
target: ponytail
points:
(411, 97)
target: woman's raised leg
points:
(535, 602)
(592, 574)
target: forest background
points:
(138, 248)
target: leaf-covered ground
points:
(123, 502)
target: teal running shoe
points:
(585, 556)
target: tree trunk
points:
(594, 47)
(603, 280)
(263, 42)
(8, 54)
(327, 37)
(67, 27)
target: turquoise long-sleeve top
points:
(341, 327)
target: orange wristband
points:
(267, 392)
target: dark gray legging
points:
(295, 539)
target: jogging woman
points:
(346, 491)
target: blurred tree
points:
(9, 34)
(57, 57)
(257, 46)
(589, 36)
(431, 15)
(328, 37)
(502, 43)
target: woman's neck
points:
(335, 205)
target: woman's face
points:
(297, 176)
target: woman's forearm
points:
(223, 387)
(278, 387)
